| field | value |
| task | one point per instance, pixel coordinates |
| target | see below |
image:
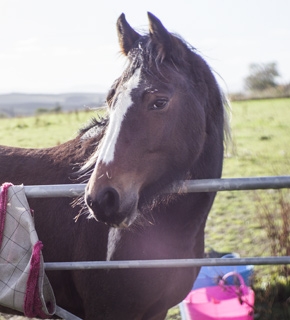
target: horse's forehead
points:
(148, 82)
(121, 105)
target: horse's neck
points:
(41, 166)
(171, 231)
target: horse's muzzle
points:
(109, 207)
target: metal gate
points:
(206, 185)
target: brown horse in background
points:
(165, 123)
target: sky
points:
(57, 46)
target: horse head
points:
(157, 123)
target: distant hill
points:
(21, 104)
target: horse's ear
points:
(126, 34)
(160, 36)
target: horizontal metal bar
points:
(64, 314)
(166, 263)
(251, 183)
(206, 185)
(54, 190)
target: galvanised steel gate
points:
(206, 185)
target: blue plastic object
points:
(209, 276)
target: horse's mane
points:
(94, 122)
(91, 132)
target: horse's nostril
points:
(105, 205)
(109, 201)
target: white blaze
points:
(124, 102)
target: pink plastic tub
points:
(222, 302)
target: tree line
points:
(263, 82)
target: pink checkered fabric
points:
(23, 284)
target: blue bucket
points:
(209, 276)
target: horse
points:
(165, 123)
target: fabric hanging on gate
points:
(23, 284)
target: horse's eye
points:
(159, 104)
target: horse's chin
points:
(127, 222)
(122, 220)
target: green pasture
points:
(260, 147)
(44, 130)
(261, 140)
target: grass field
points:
(43, 130)
(261, 139)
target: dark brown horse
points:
(165, 123)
